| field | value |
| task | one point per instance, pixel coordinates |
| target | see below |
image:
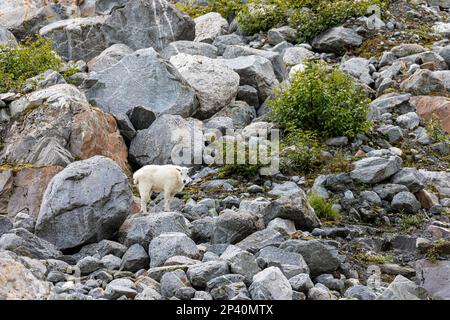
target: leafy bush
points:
(240, 166)
(322, 99)
(25, 61)
(323, 208)
(227, 8)
(300, 152)
(262, 15)
(320, 15)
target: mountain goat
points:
(169, 179)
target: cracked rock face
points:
(69, 218)
(57, 125)
(137, 24)
(144, 79)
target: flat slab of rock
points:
(376, 169)
(337, 40)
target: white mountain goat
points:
(169, 179)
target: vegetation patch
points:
(368, 259)
(322, 99)
(438, 248)
(323, 208)
(26, 61)
(408, 222)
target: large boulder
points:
(86, 202)
(319, 256)
(440, 181)
(142, 229)
(405, 202)
(78, 38)
(142, 78)
(376, 169)
(255, 71)
(209, 26)
(145, 23)
(434, 106)
(47, 14)
(136, 23)
(199, 274)
(234, 226)
(358, 68)
(270, 284)
(411, 178)
(171, 244)
(215, 83)
(297, 209)
(434, 277)
(423, 82)
(236, 51)
(403, 289)
(21, 190)
(6, 37)
(18, 280)
(290, 263)
(57, 125)
(165, 139)
(109, 57)
(337, 40)
(389, 103)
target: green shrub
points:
(322, 99)
(227, 8)
(262, 15)
(25, 61)
(323, 208)
(300, 152)
(240, 165)
(322, 15)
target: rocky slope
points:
(147, 75)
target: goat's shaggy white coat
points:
(169, 179)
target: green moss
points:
(323, 208)
(408, 222)
(16, 167)
(368, 259)
(437, 248)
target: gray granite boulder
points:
(69, 218)
(144, 79)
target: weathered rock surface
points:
(170, 139)
(144, 79)
(216, 84)
(18, 282)
(69, 218)
(56, 125)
